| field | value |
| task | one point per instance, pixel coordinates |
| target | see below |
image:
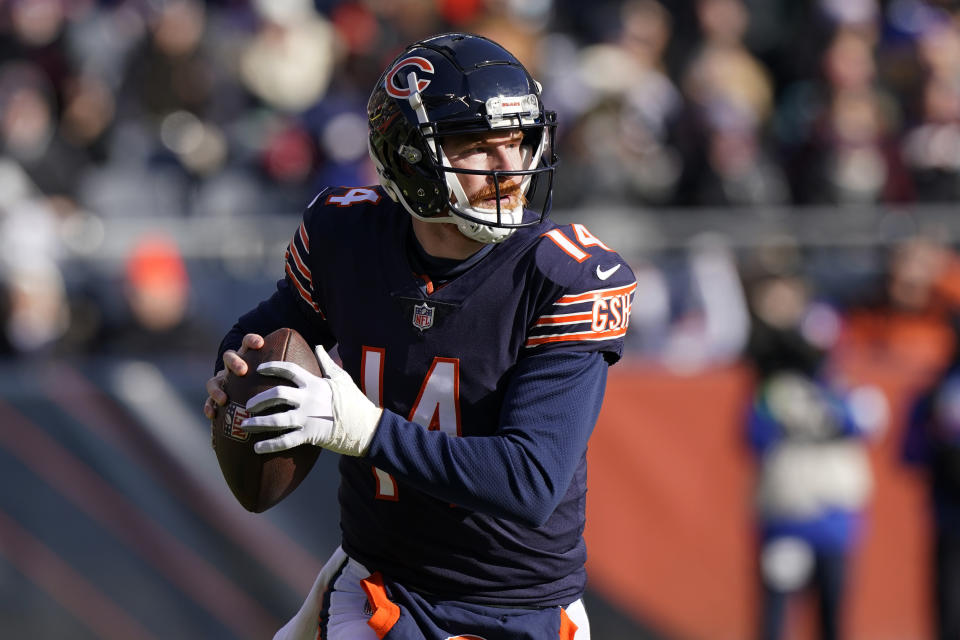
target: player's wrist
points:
(355, 417)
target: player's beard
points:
(509, 190)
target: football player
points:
(474, 336)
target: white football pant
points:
(349, 610)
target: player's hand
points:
(329, 412)
(232, 361)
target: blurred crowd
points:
(136, 109)
(246, 106)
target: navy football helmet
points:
(455, 84)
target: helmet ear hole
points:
(411, 154)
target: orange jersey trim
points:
(304, 238)
(577, 337)
(301, 266)
(596, 293)
(385, 612)
(566, 245)
(303, 292)
(564, 318)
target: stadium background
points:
(155, 155)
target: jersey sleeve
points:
(586, 301)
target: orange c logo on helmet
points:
(467, 637)
(395, 90)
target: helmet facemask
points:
(504, 114)
(491, 225)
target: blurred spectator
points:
(153, 313)
(931, 146)
(30, 133)
(36, 314)
(809, 433)
(35, 311)
(88, 111)
(100, 39)
(33, 31)
(171, 69)
(156, 285)
(730, 98)
(623, 107)
(932, 443)
(839, 132)
(938, 41)
(289, 61)
(931, 149)
(694, 312)
(858, 15)
(902, 321)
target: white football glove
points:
(329, 412)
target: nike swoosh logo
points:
(603, 274)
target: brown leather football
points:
(260, 481)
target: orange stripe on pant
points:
(567, 628)
(385, 612)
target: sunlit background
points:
(760, 163)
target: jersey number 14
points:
(437, 406)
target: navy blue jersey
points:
(474, 485)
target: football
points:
(259, 481)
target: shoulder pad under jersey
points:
(591, 290)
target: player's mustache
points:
(507, 190)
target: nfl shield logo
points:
(235, 415)
(423, 316)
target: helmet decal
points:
(390, 81)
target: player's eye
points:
(480, 151)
